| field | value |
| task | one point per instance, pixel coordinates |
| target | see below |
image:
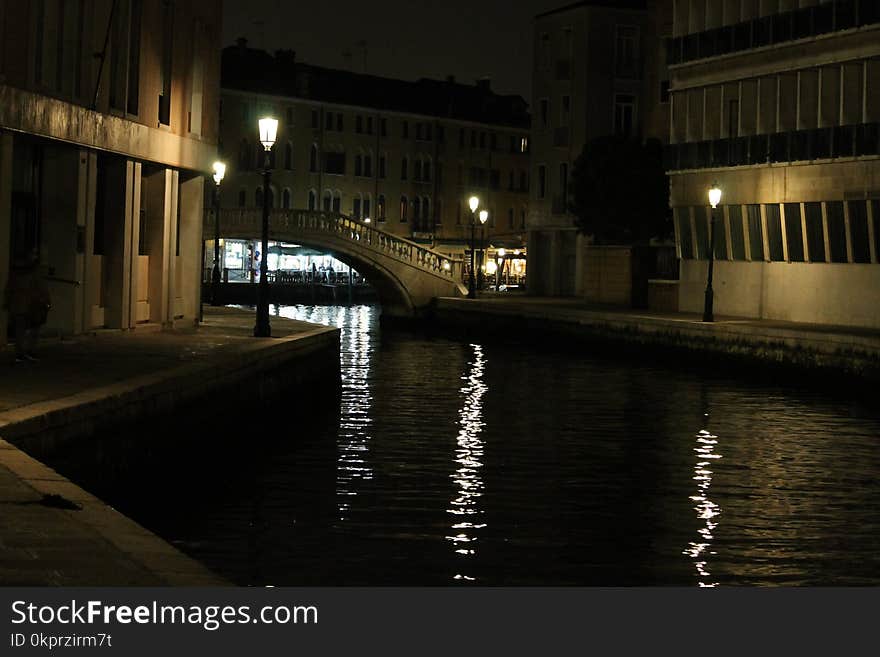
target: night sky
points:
(407, 39)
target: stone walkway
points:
(844, 348)
(43, 543)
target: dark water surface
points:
(452, 462)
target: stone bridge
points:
(407, 276)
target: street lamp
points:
(714, 200)
(473, 203)
(262, 329)
(500, 271)
(484, 217)
(219, 172)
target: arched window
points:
(427, 170)
(327, 201)
(403, 169)
(358, 165)
(522, 217)
(313, 199)
(510, 218)
(258, 197)
(337, 201)
(382, 166)
(380, 207)
(426, 209)
(288, 156)
(367, 204)
(368, 165)
(438, 211)
(271, 197)
(417, 173)
(242, 198)
(417, 209)
(258, 156)
(285, 199)
(313, 159)
(404, 207)
(356, 206)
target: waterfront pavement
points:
(845, 348)
(42, 540)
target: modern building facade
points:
(597, 72)
(778, 103)
(405, 155)
(107, 130)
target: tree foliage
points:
(619, 191)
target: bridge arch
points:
(406, 275)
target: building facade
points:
(596, 73)
(778, 103)
(107, 130)
(405, 155)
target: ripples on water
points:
(457, 462)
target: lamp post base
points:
(215, 287)
(708, 315)
(262, 329)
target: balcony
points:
(800, 23)
(792, 146)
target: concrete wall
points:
(605, 274)
(822, 293)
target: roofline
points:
(320, 103)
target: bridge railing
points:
(332, 223)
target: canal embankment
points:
(54, 532)
(776, 347)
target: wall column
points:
(189, 262)
(123, 204)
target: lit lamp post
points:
(484, 216)
(473, 203)
(219, 172)
(499, 273)
(262, 329)
(714, 200)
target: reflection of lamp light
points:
(446, 265)
(502, 253)
(491, 267)
(366, 220)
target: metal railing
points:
(303, 222)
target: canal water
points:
(456, 462)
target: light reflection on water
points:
(452, 462)
(468, 455)
(707, 510)
(355, 406)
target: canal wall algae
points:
(839, 353)
(55, 533)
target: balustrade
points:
(347, 229)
